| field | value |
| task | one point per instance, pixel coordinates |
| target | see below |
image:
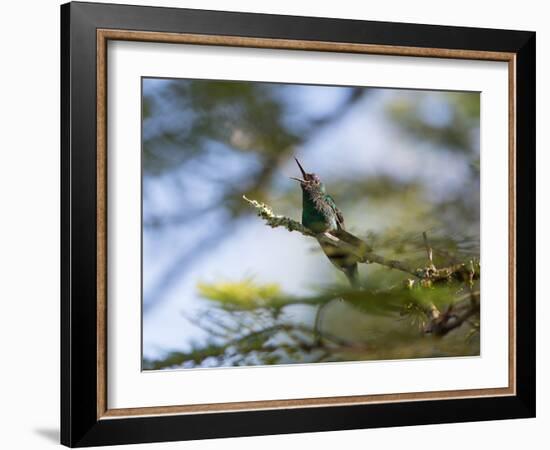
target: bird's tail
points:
(350, 270)
(352, 274)
(346, 236)
(343, 260)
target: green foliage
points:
(388, 303)
(391, 324)
(440, 296)
(350, 331)
(241, 295)
(175, 359)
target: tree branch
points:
(362, 251)
(455, 316)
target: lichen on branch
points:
(274, 221)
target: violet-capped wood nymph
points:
(320, 214)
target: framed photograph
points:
(276, 224)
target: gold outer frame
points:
(104, 35)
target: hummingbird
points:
(320, 215)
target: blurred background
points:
(220, 288)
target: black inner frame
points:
(79, 423)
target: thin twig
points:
(429, 251)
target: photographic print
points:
(258, 207)
(292, 224)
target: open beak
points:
(298, 179)
(301, 168)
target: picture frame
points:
(86, 418)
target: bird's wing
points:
(346, 236)
(341, 233)
(337, 212)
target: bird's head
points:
(308, 180)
